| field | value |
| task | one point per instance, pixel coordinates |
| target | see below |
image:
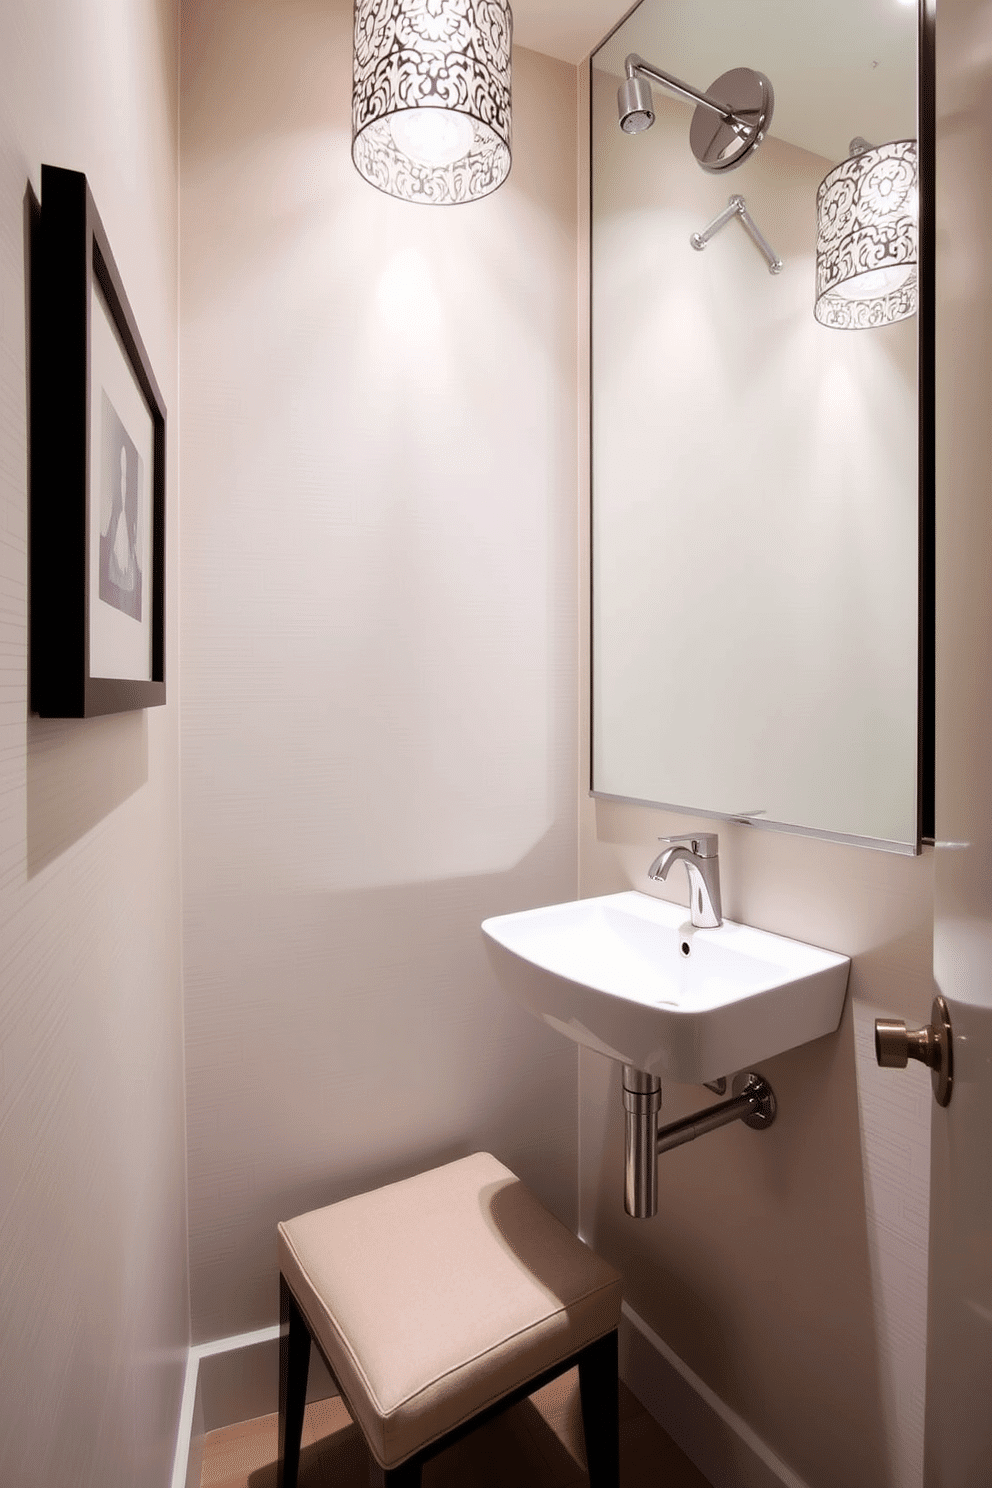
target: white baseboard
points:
(189, 1436)
(230, 1380)
(721, 1444)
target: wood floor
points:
(537, 1444)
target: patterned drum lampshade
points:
(431, 101)
(866, 210)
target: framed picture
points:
(97, 473)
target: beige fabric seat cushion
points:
(434, 1297)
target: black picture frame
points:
(97, 473)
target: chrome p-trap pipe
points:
(752, 1102)
(756, 1100)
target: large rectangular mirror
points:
(761, 481)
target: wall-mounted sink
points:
(627, 976)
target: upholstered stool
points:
(436, 1303)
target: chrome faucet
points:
(699, 852)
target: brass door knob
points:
(896, 1045)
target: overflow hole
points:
(685, 948)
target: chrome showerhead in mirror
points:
(635, 105)
(730, 120)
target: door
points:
(958, 1450)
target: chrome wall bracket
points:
(736, 207)
(896, 1045)
(752, 1102)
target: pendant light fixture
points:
(431, 100)
(866, 241)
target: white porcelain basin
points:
(613, 974)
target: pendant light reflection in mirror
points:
(866, 239)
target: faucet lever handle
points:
(703, 844)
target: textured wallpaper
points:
(95, 1319)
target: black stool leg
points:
(294, 1366)
(599, 1390)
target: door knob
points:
(896, 1045)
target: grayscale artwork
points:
(121, 517)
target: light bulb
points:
(432, 136)
(875, 284)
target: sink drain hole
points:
(685, 948)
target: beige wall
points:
(379, 586)
(94, 1319)
(788, 1270)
